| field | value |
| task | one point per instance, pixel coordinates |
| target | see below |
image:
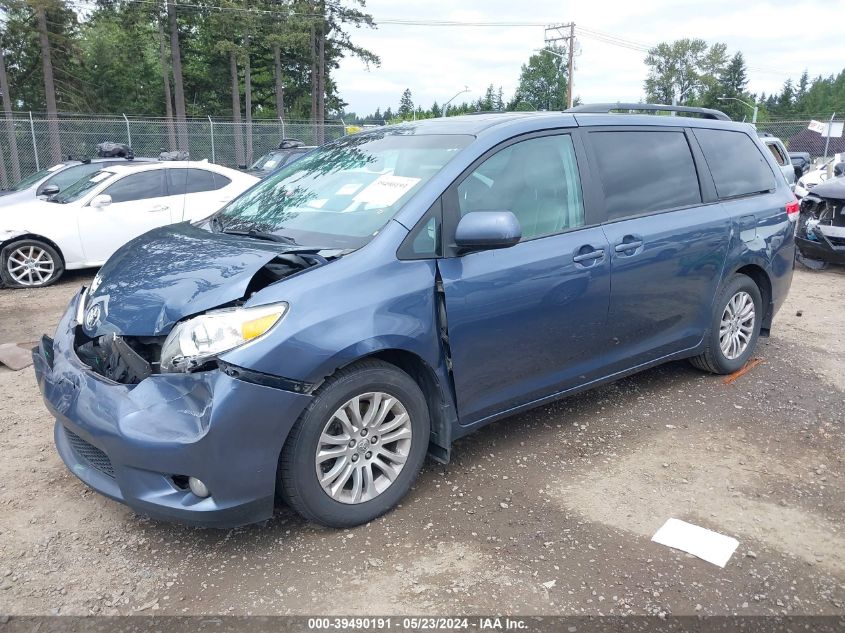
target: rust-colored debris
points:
(751, 364)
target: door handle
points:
(589, 256)
(159, 208)
(628, 246)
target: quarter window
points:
(537, 180)
(147, 184)
(645, 171)
(737, 164)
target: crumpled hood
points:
(833, 188)
(169, 273)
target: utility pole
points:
(557, 33)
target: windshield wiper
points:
(263, 235)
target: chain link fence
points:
(798, 137)
(29, 142)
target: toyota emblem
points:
(92, 317)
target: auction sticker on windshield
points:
(386, 190)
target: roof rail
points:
(606, 108)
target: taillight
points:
(793, 209)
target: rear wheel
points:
(734, 329)
(30, 264)
(357, 448)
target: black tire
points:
(297, 475)
(9, 250)
(713, 359)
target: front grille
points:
(91, 454)
(837, 241)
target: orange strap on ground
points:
(751, 364)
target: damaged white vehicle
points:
(81, 226)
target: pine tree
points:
(406, 104)
(786, 99)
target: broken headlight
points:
(196, 341)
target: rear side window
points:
(645, 171)
(737, 165)
(780, 158)
(147, 184)
(181, 181)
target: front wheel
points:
(734, 329)
(355, 451)
(30, 264)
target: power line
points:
(594, 34)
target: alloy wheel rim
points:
(30, 266)
(737, 325)
(363, 447)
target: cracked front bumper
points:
(129, 441)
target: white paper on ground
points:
(705, 544)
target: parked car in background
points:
(801, 161)
(289, 150)
(82, 225)
(817, 176)
(52, 180)
(776, 147)
(821, 227)
(397, 289)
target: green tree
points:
(406, 105)
(542, 82)
(685, 69)
(732, 81)
(786, 99)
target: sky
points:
(779, 39)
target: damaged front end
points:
(125, 360)
(129, 331)
(820, 235)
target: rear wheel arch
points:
(761, 278)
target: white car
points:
(817, 176)
(52, 180)
(81, 226)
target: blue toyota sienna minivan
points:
(402, 287)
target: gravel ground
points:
(549, 512)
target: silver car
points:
(775, 146)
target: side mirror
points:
(839, 170)
(486, 230)
(100, 201)
(49, 190)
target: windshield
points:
(27, 182)
(342, 194)
(81, 187)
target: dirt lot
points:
(570, 493)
